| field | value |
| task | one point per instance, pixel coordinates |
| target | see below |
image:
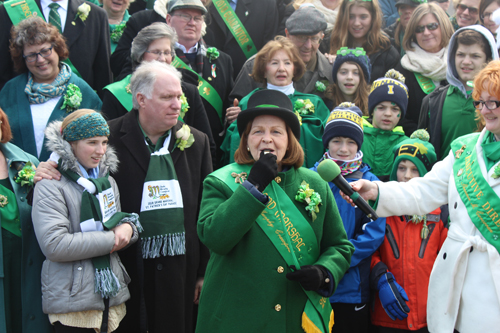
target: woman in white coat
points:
(464, 288)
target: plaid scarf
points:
(202, 52)
(39, 93)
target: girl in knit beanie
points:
(351, 78)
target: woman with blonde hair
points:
(359, 24)
(80, 228)
(424, 65)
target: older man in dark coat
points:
(170, 283)
(87, 41)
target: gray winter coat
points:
(68, 272)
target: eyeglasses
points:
(159, 53)
(303, 39)
(431, 27)
(463, 8)
(187, 18)
(44, 53)
(490, 105)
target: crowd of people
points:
(180, 166)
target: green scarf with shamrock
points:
(162, 210)
(98, 212)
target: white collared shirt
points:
(62, 10)
(194, 49)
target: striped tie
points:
(54, 17)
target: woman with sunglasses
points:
(464, 286)
(467, 14)
(46, 90)
(424, 65)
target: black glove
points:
(263, 171)
(311, 277)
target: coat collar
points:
(133, 139)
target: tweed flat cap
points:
(306, 20)
(173, 5)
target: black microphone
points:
(330, 172)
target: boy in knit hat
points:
(402, 265)
(387, 105)
(343, 137)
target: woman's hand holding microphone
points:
(263, 171)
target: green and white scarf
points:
(39, 93)
(162, 210)
(99, 212)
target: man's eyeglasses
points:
(159, 53)
(303, 39)
(490, 105)
(187, 18)
(463, 8)
(44, 53)
(431, 27)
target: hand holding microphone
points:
(330, 172)
(263, 171)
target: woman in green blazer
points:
(20, 256)
(278, 247)
(46, 90)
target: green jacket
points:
(33, 319)
(15, 104)
(311, 131)
(245, 280)
(377, 148)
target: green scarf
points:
(491, 150)
(161, 198)
(98, 212)
(39, 93)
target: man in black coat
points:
(88, 42)
(259, 17)
(169, 283)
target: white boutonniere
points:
(82, 13)
(184, 137)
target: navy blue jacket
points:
(365, 235)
